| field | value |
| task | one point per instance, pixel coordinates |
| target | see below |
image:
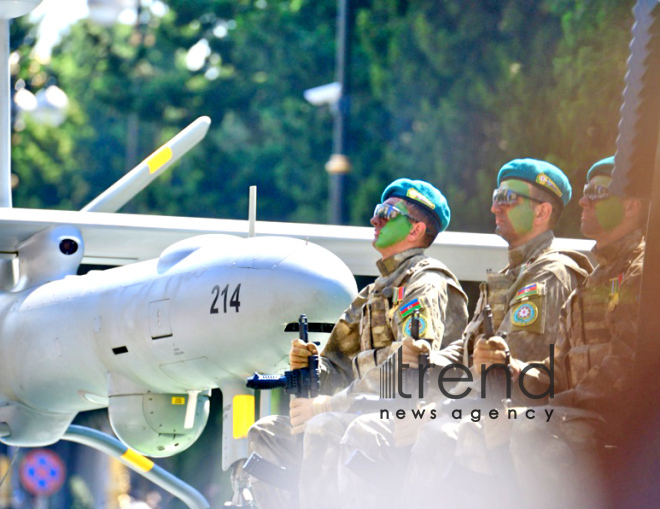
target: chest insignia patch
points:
(524, 314)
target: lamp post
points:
(337, 96)
(339, 165)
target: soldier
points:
(526, 298)
(593, 363)
(407, 221)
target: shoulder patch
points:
(524, 314)
(527, 291)
(423, 325)
(410, 307)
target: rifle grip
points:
(489, 329)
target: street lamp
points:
(339, 165)
(337, 96)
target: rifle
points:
(270, 473)
(301, 382)
(498, 392)
(499, 384)
(422, 361)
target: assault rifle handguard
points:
(497, 384)
(302, 382)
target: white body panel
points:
(148, 327)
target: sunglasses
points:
(594, 192)
(509, 197)
(387, 211)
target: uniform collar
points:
(530, 249)
(389, 265)
(619, 249)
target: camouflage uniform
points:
(361, 340)
(593, 368)
(537, 277)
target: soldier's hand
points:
(489, 351)
(406, 431)
(494, 351)
(302, 410)
(300, 352)
(411, 349)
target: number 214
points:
(234, 301)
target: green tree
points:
(442, 90)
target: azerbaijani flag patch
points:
(410, 308)
(527, 291)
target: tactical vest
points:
(495, 292)
(499, 290)
(378, 312)
(590, 331)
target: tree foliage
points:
(443, 90)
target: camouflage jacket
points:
(381, 314)
(526, 298)
(595, 351)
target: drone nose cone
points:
(332, 282)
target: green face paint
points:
(521, 216)
(601, 215)
(395, 230)
(609, 212)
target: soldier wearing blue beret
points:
(537, 183)
(525, 298)
(603, 167)
(423, 195)
(594, 364)
(545, 176)
(406, 222)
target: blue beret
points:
(543, 175)
(602, 167)
(423, 194)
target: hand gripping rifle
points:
(498, 388)
(422, 362)
(301, 382)
(499, 383)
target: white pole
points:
(252, 212)
(5, 116)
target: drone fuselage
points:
(210, 311)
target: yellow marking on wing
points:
(158, 159)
